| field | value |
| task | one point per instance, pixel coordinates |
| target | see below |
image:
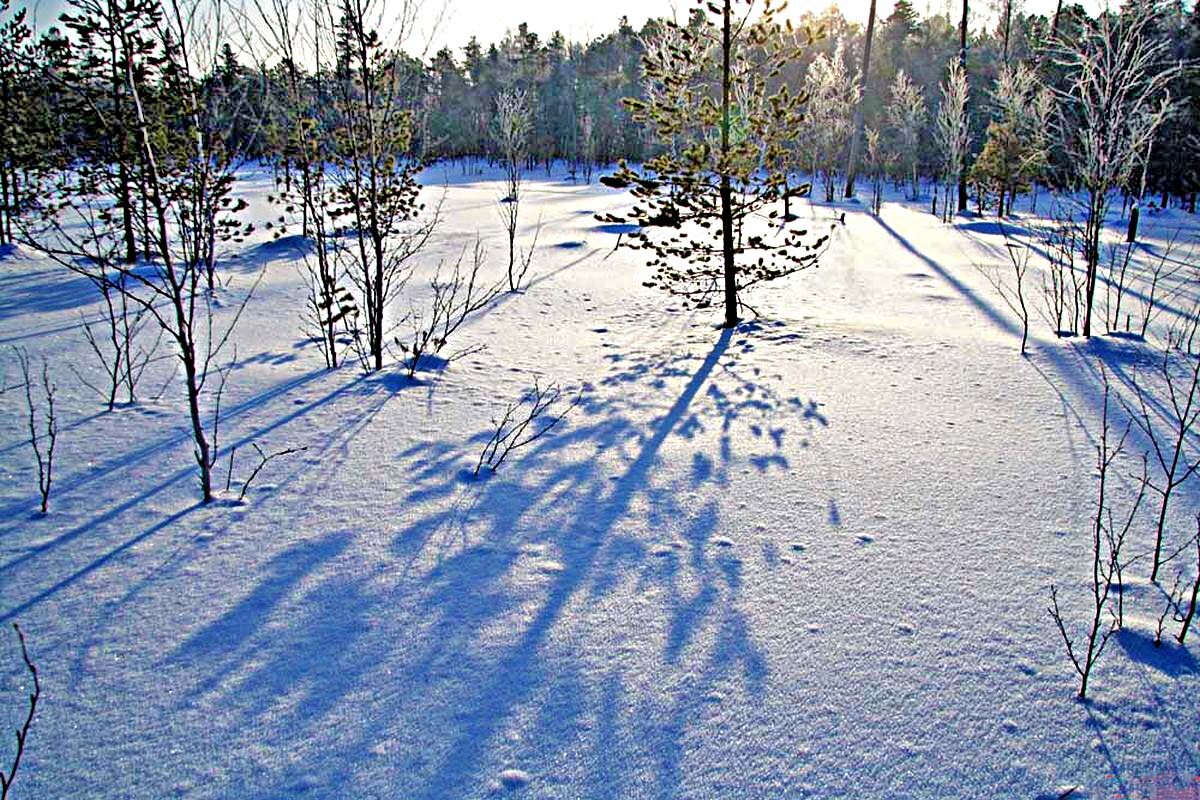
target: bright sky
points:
(581, 20)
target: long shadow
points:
(1076, 371)
(47, 293)
(137, 501)
(94, 565)
(993, 314)
(71, 483)
(510, 680)
(1163, 298)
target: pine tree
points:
(722, 129)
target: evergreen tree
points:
(723, 129)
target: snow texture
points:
(808, 557)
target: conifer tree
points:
(706, 208)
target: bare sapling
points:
(1161, 271)
(6, 779)
(1182, 334)
(454, 298)
(511, 129)
(1169, 446)
(1185, 617)
(1170, 607)
(42, 421)
(524, 422)
(1103, 622)
(1116, 535)
(117, 343)
(1063, 283)
(264, 458)
(1014, 294)
(1119, 258)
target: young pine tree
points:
(707, 204)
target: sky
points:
(582, 20)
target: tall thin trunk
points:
(5, 206)
(731, 309)
(1007, 29)
(962, 60)
(859, 119)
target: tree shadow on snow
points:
(458, 634)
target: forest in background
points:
(263, 83)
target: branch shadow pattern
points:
(483, 580)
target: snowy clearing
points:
(808, 557)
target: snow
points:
(805, 558)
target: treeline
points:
(575, 89)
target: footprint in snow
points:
(513, 779)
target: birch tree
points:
(1113, 101)
(832, 97)
(952, 132)
(906, 114)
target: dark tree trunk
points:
(731, 301)
(5, 207)
(859, 120)
(962, 59)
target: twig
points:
(6, 781)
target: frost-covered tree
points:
(952, 131)
(906, 115)
(832, 97)
(706, 207)
(1113, 101)
(1017, 150)
(511, 131)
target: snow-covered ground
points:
(805, 558)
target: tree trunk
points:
(126, 201)
(1092, 245)
(731, 302)
(5, 209)
(1007, 29)
(962, 60)
(1132, 231)
(859, 121)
